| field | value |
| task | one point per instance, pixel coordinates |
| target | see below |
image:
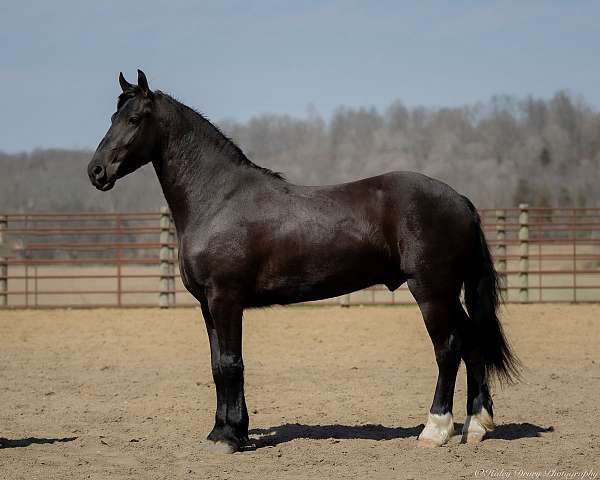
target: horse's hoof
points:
(220, 447)
(438, 431)
(473, 438)
(428, 443)
(476, 426)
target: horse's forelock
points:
(126, 95)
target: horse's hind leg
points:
(479, 401)
(441, 320)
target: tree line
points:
(500, 152)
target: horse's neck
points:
(192, 183)
(195, 172)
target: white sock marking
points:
(438, 430)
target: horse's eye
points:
(135, 120)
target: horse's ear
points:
(143, 84)
(125, 85)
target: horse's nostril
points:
(98, 171)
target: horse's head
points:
(132, 139)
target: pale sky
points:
(59, 59)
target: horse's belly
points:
(324, 277)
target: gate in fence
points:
(130, 259)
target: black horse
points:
(247, 238)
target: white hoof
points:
(476, 426)
(438, 431)
(219, 447)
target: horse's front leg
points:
(223, 317)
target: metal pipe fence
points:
(95, 259)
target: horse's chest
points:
(194, 271)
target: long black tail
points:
(482, 299)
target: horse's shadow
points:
(25, 442)
(268, 437)
(514, 431)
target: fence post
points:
(3, 265)
(524, 253)
(119, 222)
(501, 252)
(345, 300)
(166, 296)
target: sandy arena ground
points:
(332, 393)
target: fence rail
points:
(96, 259)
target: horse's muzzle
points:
(98, 177)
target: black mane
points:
(210, 129)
